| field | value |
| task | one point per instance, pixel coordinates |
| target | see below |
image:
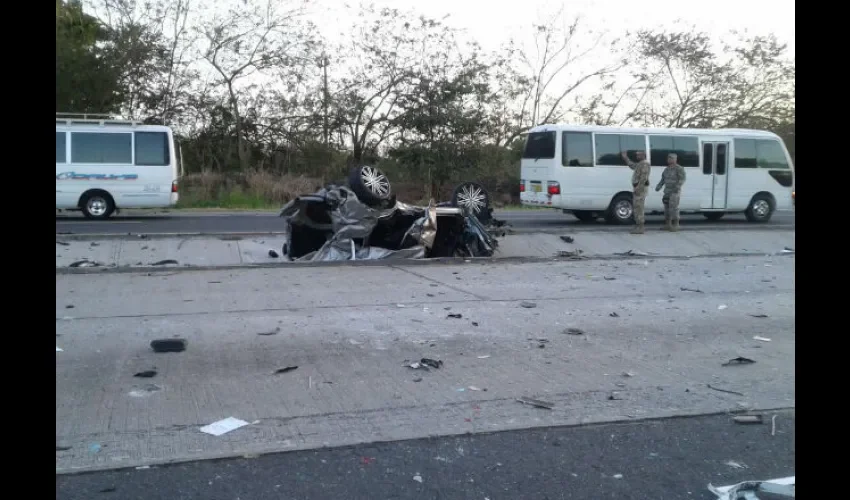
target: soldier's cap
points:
(673, 156)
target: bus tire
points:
(621, 210)
(97, 204)
(760, 209)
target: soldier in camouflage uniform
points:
(640, 186)
(672, 179)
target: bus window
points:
(770, 155)
(577, 149)
(609, 147)
(60, 147)
(99, 147)
(686, 149)
(539, 145)
(745, 153)
(152, 149)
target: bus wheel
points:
(760, 209)
(97, 205)
(585, 215)
(621, 210)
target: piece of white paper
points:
(223, 426)
(59, 349)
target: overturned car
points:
(363, 221)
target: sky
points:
(491, 22)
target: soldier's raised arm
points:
(626, 159)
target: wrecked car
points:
(364, 221)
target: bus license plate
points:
(537, 188)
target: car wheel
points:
(370, 184)
(760, 209)
(474, 198)
(97, 205)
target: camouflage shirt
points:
(640, 174)
(673, 178)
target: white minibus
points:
(579, 170)
(105, 164)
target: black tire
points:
(621, 211)
(97, 205)
(370, 184)
(475, 198)
(585, 215)
(761, 209)
(713, 216)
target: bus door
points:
(715, 163)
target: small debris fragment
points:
(748, 419)
(418, 379)
(484, 356)
(609, 278)
(528, 305)
(735, 465)
(536, 403)
(455, 316)
(69, 306)
(433, 363)
(165, 262)
(617, 476)
(614, 396)
(417, 478)
(763, 339)
(632, 253)
(94, 244)
(628, 374)
(85, 263)
(759, 315)
(473, 388)
(474, 323)
(724, 390)
(63, 243)
(63, 448)
(573, 331)
(571, 254)
(223, 426)
(273, 254)
(773, 425)
(169, 345)
(111, 489)
(285, 370)
(788, 250)
(94, 448)
(738, 361)
(567, 239)
(614, 315)
(59, 349)
(273, 332)
(695, 290)
(146, 374)
(722, 307)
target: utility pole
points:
(325, 99)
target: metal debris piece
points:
(609, 278)
(763, 339)
(63, 243)
(759, 315)
(738, 361)
(146, 374)
(567, 239)
(788, 250)
(85, 263)
(747, 490)
(748, 419)
(433, 363)
(527, 305)
(722, 307)
(165, 262)
(723, 390)
(536, 403)
(686, 289)
(631, 253)
(273, 254)
(169, 345)
(735, 465)
(285, 370)
(573, 331)
(455, 316)
(273, 332)
(614, 315)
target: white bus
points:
(579, 170)
(105, 164)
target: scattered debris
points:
(417, 478)
(536, 403)
(59, 349)
(285, 370)
(273, 254)
(773, 425)
(614, 315)
(94, 244)
(63, 243)
(617, 476)
(85, 263)
(63, 448)
(614, 396)
(484, 356)
(146, 374)
(418, 379)
(738, 361)
(609, 278)
(780, 487)
(473, 388)
(572, 254)
(433, 363)
(686, 289)
(145, 391)
(165, 262)
(69, 306)
(169, 345)
(568, 239)
(748, 419)
(455, 316)
(474, 323)
(722, 307)
(111, 489)
(759, 315)
(527, 305)
(573, 331)
(633, 253)
(628, 374)
(763, 339)
(94, 448)
(724, 390)
(788, 250)
(735, 465)
(223, 426)
(273, 332)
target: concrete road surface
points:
(264, 222)
(660, 460)
(602, 341)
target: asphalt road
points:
(663, 459)
(264, 222)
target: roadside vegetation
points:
(266, 109)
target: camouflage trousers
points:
(638, 203)
(671, 208)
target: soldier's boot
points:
(675, 227)
(667, 226)
(638, 228)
